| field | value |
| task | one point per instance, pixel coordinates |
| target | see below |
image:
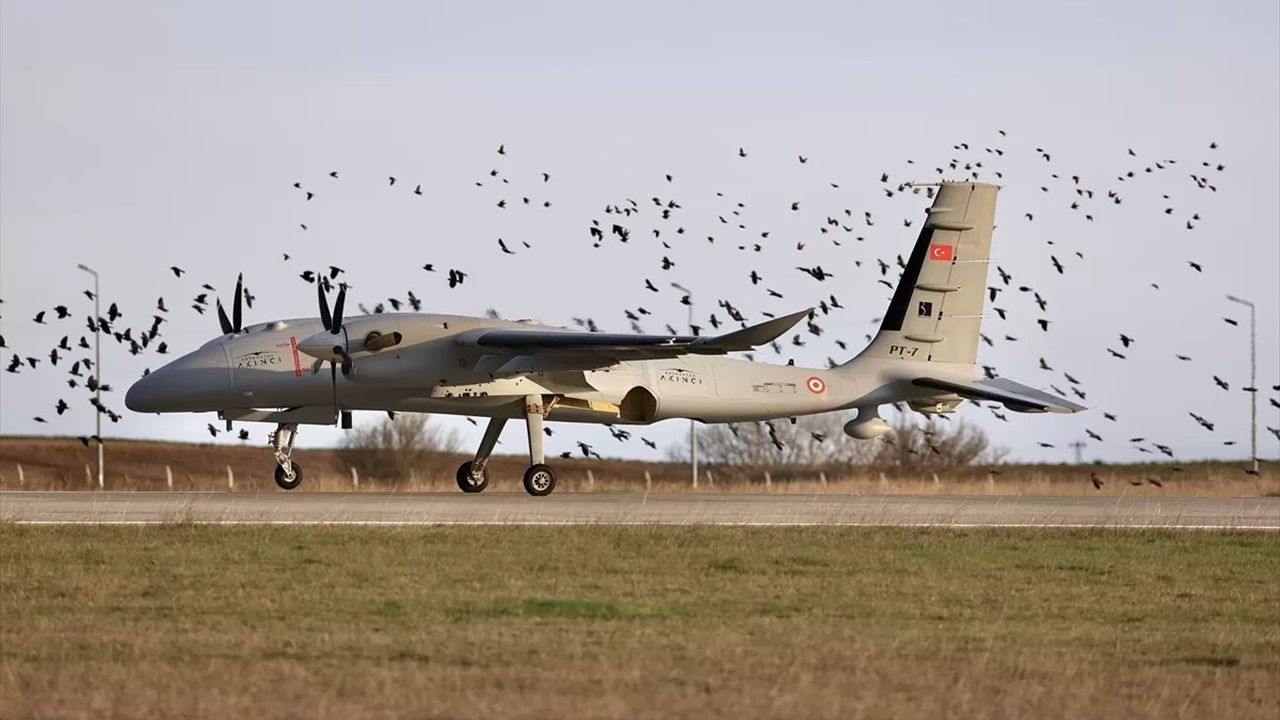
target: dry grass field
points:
(60, 464)
(525, 622)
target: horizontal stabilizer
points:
(1015, 396)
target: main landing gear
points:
(288, 473)
(539, 480)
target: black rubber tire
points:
(464, 479)
(539, 480)
(284, 482)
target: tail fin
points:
(935, 315)
(936, 311)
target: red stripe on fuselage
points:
(297, 362)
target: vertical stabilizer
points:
(936, 311)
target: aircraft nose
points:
(197, 382)
(148, 393)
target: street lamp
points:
(97, 365)
(1253, 379)
(693, 429)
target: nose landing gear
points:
(288, 472)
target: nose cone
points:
(148, 394)
(197, 382)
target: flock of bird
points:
(660, 224)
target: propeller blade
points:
(235, 304)
(324, 307)
(337, 309)
(222, 320)
(333, 380)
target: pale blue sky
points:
(134, 136)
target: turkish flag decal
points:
(938, 251)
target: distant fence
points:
(581, 477)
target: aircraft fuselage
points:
(428, 371)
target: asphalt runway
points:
(640, 509)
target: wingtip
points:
(1069, 408)
(752, 337)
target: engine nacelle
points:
(867, 425)
(383, 370)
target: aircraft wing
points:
(623, 346)
(1014, 395)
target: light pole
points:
(1078, 446)
(97, 365)
(693, 428)
(1253, 379)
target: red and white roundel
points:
(816, 385)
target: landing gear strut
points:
(288, 472)
(472, 477)
(539, 480)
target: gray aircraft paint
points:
(923, 354)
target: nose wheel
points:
(288, 479)
(288, 472)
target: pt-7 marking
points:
(903, 350)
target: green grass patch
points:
(205, 621)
